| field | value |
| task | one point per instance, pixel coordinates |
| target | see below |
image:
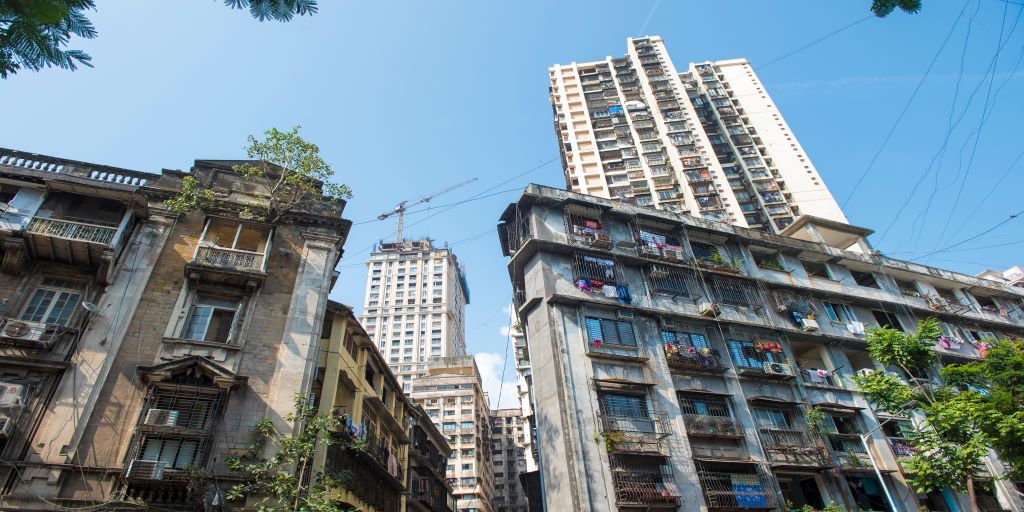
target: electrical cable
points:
(816, 41)
(975, 237)
(906, 107)
(504, 366)
(984, 117)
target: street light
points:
(874, 465)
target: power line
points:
(975, 237)
(816, 41)
(438, 206)
(984, 115)
(906, 107)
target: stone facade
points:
(671, 359)
(198, 326)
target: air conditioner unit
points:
(623, 313)
(710, 309)
(600, 241)
(809, 325)
(648, 251)
(146, 470)
(161, 418)
(673, 255)
(27, 331)
(777, 368)
(864, 372)
(12, 394)
(6, 426)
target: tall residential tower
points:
(707, 140)
(415, 307)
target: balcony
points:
(362, 478)
(700, 425)
(683, 357)
(430, 493)
(792, 448)
(635, 352)
(232, 251)
(902, 450)
(636, 434)
(644, 487)
(735, 486)
(77, 229)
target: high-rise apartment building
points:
(680, 379)
(415, 308)
(707, 140)
(452, 394)
(508, 459)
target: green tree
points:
(883, 8)
(974, 408)
(34, 34)
(288, 169)
(276, 482)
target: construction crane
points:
(401, 207)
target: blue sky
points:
(405, 98)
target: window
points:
(769, 260)
(705, 252)
(866, 279)
(210, 319)
(236, 235)
(772, 418)
(466, 424)
(629, 406)
(816, 269)
(53, 302)
(615, 332)
(886, 319)
(174, 453)
(747, 354)
(908, 288)
(839, 313)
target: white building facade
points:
(415, 305)
(707, 140)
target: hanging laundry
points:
(591, 224)
(944, 341)
(583, 285)
(597, 343)
(798, 317)
(623, 293)
(855, 327)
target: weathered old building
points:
(139, 347)
(671, 359)
(508, 459)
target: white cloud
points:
(490, 365)
(506, 329)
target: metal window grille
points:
(673, 281)
(733, 292)
(583, 226)
(707, 415)
(639, 483)
(690, 350)
(595, 268)
(735, 486)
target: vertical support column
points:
(332, 372)
(297, 354)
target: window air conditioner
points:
(161, 418)
(709, 309)
(778, 368)
(11, 394)
(27, 331)
(648, 251)
(623, 313)
(6, 426)
(809, 325)
(600, 241)
(673, 255)
(146, 470)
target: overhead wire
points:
(906, 107)
(814, 42)
(975, 237)
(981, 123)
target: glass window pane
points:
(62, 308)
(37, 307)
(195, 329)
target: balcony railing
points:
(230, 259)
(71, 230)
(640, 434)
(686, 357)
(901, 448)
(728, 490)
(643, 488)
(701, 425)
(792, 447)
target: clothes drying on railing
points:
(855, 327)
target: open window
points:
(211, 318)
(234, 245)
(816, 269)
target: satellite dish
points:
(92, 308)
